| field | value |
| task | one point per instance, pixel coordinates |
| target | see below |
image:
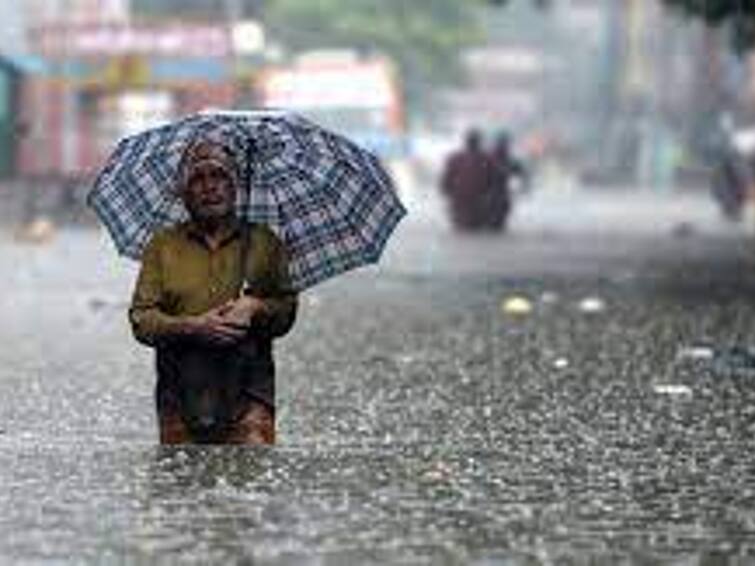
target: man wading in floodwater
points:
(211, 296)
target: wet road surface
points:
(418, 422)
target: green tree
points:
(423, 37)
(736, 15)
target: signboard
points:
(361, 85)
(129, 70)
(113, 40)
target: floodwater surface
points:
(418, 422)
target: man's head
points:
(473, 140)
(208, 185)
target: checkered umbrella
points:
(328, 199)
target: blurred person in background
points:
(468, 178)
(500, 195)
(732, 152)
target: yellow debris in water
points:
(516, 306)
(39, 231)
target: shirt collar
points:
(230, 232)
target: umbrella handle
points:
(244, 288)
(243, 260)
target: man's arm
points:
(149, 322)
(276, 317)
(270, 304)
(277, 295)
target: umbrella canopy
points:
(329, 200)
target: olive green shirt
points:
(182, 276)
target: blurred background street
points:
(575, 386)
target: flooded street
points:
(419, 423)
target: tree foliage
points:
(738, 16)
(424, 38)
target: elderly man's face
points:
(209, 192)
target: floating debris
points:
(406, 359)
(439, 472)
(672, 389)
(728, 358)
(735, 358)
(313, 301)
(549, 298)
(97, 304)
(696, 353)
(41, 230)
(516, 306)
(592, 305)
(683, 230)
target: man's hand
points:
(214, 327)
(243, 311)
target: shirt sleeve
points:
(149, 322)
(273, 287)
